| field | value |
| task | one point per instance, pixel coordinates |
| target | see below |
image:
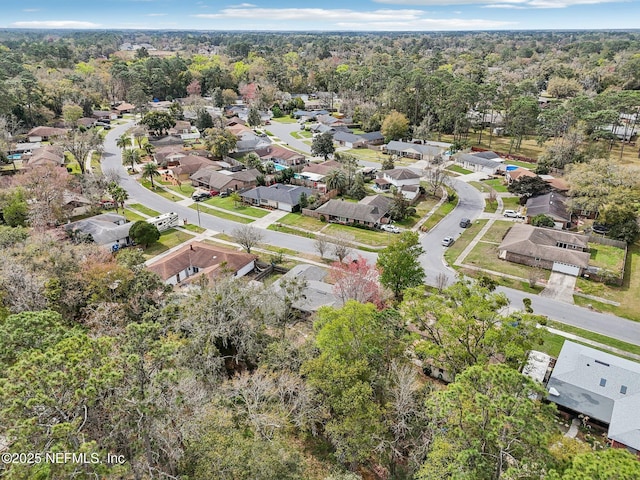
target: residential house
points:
(276, 196)
(404, 179)
(349, 140)
(370, 211)
(477, 162)
(281, 156)
(169, 155)
(197, 259)
(25, 148)
(109, 229)
(316, 292)
(250, 142)
(75, 203)
(331, 121)
(415, 151)
(124, 107)
(546, 248)
(372, 138)
(40, 134)
(188, 165)
(86, 122)
(46, 155)
(314, 173)
(601, 386)
(221, 181)
(104, 115)
(515, 175)
(306, 115)
(552, 205)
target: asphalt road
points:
(470, 205)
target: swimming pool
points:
(279, 167)
(14, 156)
(511, 168)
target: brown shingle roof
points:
(212, 261)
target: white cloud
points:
(243, 5)
(55, 24)
(501, 3)
(156, 15)
(345, 19)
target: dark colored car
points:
(600, 229)
(199, 196)
(465, 222)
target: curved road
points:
(470, 205)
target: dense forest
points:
(227, 380)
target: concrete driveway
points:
(560, 287)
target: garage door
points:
(564, 268)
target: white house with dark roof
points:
(477, 162)
(414, 150)
(404, 179)
(603, 387)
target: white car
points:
(390, 228)
(447, 241)
(512, 214)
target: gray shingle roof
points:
(289, 194)
(477, 160)
(428, 150)
(347, 137)
(551, 204)
(541, 243)
(590, 382)
(317, 293)
(400, 174)
(369, 209)
(104, 229)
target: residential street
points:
(470, 205)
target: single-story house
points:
(477, 163)
(125, 107)
(281, 156)
(218, 181)
(601, 386)
(75, 203)
(188, 165)
(309, 114)
(108, 229)
(515, 175)
(551, 204)
(197, 259)
(104, 115)
(277, 196)
(166, 140)
(369, 211)
(316, 294)
(250, 142)
(413, 150)
(372, 138)
(168, 155)
(24, 148)
(39, 134)
(546, 248)
(86, 122)
(46, 155)
(181, 126)
(349, 140)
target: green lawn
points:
(607, 257)
(422, 209)
(194, 228)
(511, 203)
(302, 134)
(302, 221)
(480, 186)
(497, 231)
(95, 162)
(132, 216)
(458, 169)
(373, 238)
(628, 295)
(366, 154)
(497, 184)
(445, 209)
(221, 214)
(454, 251)
(485, 256)
(185, 189)
(168, 239)
(228, 204)
(285, 119)
(278, 227)
(142, 209)
(490, 207)
(552, 343)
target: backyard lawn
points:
(228, 204)
(168, 239)
(607, 257)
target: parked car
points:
(224, 194)
(390, 228)
(465, 222)
(512, 214)
(447, 241)
(199, 196)
(600, 229)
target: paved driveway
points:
(560, 287)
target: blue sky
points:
(326, 15)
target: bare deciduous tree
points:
(321, 245)
(342, 246)
(247, 236)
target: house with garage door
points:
(546, 248)
(601, 386)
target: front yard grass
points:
(194, 228)
(185, 189)
(302, 221)
(285, 119)
(454, 251)
(596, 337)
(511, 203)
(278, 227)
(485, 256)
(373, 238)
(458, 169)
(221, 214)
(497, 184)
(228, 204)
(497, 231)
(132, 216)
(422, 209)
(143, 209)
(445, 209)
(168, 239)
(480, 186)
(628, 295)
